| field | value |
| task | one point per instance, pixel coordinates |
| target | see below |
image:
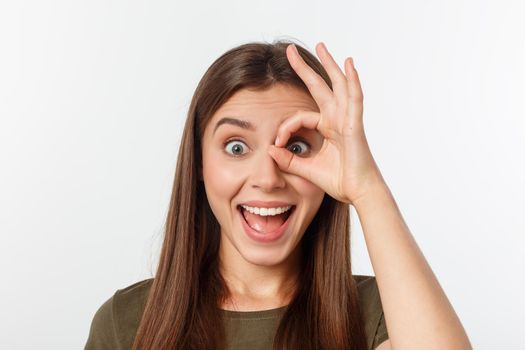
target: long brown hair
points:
(182, 309)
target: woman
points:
(256, 253)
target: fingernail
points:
(277, 140)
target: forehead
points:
(277, 102)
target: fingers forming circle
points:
(306, 119)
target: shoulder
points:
(369, 299)
(132, 297)
(116, 320)
(367, 288)
(372, 309)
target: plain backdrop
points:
(94, 95)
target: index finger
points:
(301, 119)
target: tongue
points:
(264, 224)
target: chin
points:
(264, 256)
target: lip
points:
(267, 237)
(263, 204)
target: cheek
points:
(311, 197)
(222, 181)
(307, 189)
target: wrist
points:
(375, 192)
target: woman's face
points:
(237, 169)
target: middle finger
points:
(316, 85)
(339, 80)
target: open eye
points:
(297, 150)
(236, 148)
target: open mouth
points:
(283, 217)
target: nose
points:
(266, 174)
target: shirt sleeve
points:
(381, 332)
(102, 333)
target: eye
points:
(236, 147)
(296, 149)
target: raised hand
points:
(344, 167)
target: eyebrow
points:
(236, 122)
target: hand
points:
(344, 167)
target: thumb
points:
(289, 162)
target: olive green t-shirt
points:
(116, 322)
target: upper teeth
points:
(266, 211)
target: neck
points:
(258, 287)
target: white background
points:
(93, 98)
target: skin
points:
(259, 275)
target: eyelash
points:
(294, 139)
